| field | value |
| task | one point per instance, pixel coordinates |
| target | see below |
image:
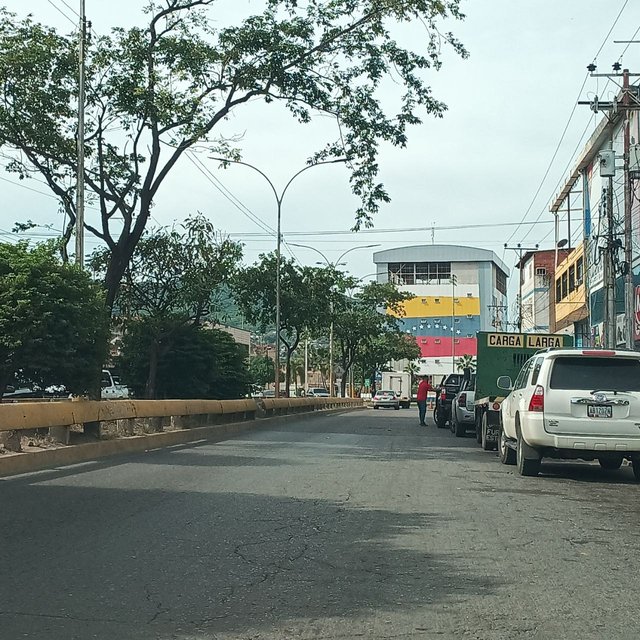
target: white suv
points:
(576, 404)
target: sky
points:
(512, 119)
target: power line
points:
(566, 127)
(59, 10)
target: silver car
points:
(386, 398)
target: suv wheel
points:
(507, 454)
(635, 465)
(440, 420)
(610, 463)
(459, 429)
(527, 458)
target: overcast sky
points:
(481, 164)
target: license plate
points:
(599, 411)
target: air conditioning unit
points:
(424, 301)
(469, 316)
(423, 341)
(437, 300)
(437, 341)
(437, 361)
(469, 295)
(456, 300)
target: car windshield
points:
(619, 374)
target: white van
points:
(575, 404)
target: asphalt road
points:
(358, 525)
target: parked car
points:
(463, 416)
(269, 393)
(386, 398)
(318, 392)
(445, 393)
(572, 404)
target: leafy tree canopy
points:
(53, 322)
(171, 282)
(200, 363)
(156, 90)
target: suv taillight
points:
(443, 395)
(462, 400)
(537, 399)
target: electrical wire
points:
(59, 10)
(566, 127)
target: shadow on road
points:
(108, 563)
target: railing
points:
(110, 419)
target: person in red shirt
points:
(423, 389)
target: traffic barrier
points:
(165, 421)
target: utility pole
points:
(629, 102)
(454, 281)
(629, 304)
(520, 249)
(609, 275)
(80, 173)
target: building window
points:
(408, 273)
(541, 271)
(565, 284)
(572, 278)
(580, 271)
(501, 281)
(558, 290)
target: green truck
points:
(503, 354)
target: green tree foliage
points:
(53, 323)
(171, 282)
(155, 91)
(466, 361)
(261, 371)
(304, 301)
(365, 333)
(200, 363)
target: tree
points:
(261, 370)
(364, 332)
(413, 370)
(466, 362)
(156, 91)
(304, 300)
(199, 363)
(171, 282)
(53, 323)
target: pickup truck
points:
(445, 393)
(111, 389)
(463, 410)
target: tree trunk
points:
(152, 377)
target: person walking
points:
(423, 389)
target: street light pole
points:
(332, 265)
(80, 141)
(279, 198)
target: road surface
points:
(357, 525)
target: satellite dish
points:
(562, 243)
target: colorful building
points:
(457, 291)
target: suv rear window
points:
(608, 374)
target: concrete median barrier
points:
(120, 426)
